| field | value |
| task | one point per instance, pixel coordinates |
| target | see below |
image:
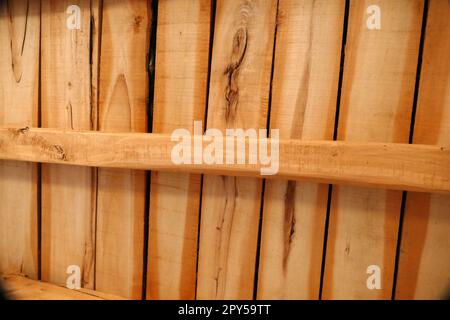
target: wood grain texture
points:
(68, 213)
(376, 105)
(19, 74)
(182, 55)
(304, 90)
(380, 165)
(123, 92)
(424, 266)
(21, 288)
(238, 98)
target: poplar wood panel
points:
(68, 211)
(376, 105)
(182, 55)
(304, 90)
(123, 92)
(19, 74)
(424, 266)
(21, 288)
(238, 98)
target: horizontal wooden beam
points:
(382, 165)
(17, 287)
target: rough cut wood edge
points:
(22, 288)
(422, 168)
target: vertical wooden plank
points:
(376, 105)
(67, 209)
(238, 98)
(182, 55)
(425, 245)
(304, 92)
(19, 78)
(122, 108)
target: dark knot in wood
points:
(239, 49)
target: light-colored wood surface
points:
(77, 93)
(67, 204)
(304, 90)
(381, 165)
(19, 74)
(21, 288)
(376, 105)
(424, 266)
(238, 98)
(123, 91)
(182, 55)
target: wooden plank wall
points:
(19, 84)
(312, 69)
